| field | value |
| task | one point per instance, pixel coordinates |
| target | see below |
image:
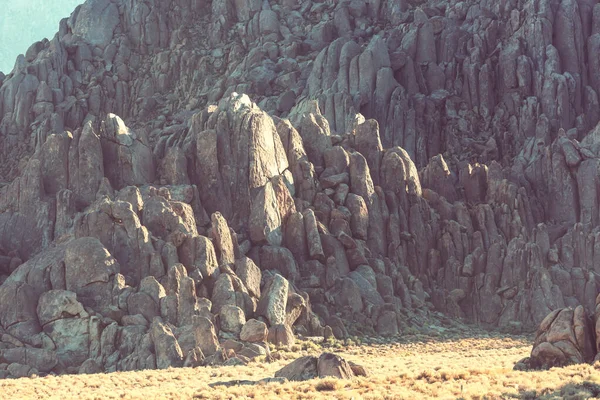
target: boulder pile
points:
(183, 181)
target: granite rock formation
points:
(176, 174)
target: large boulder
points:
(563, 338)
(301, 369)
(597, 326)
(265, 219)
(281, 335)
(387, 323)
(128, 158)
(167, 350)
(166, 219)
(57, 304)
(96, 21)
(249, 274)
(72, 338)
(223, 240)
(206, 336)
(254, 331)
(89, 270)
(234, 176)
(117, 226)
(279, 259)
(326, 365)
(223, 293)
(333, 365)
(273, 301)
(18, 313)
(41, 359)
(232, 319)
(198, 252)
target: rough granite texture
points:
(333, 167)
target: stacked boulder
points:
(566, 336)
(129, 282)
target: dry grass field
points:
(448, 366)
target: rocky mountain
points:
(184, 179)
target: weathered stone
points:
(232, 319)
(199, 253)
(249, 274)
(326, 365)
(496, 116)
(563, 338)
(71, 336)
(206, 338)
(279, 259)
(387, 324)
(90, 366)
(40, 359)
(295, 236)
(333, 365)
(168, 352)
(254, 331)
(194, 359)
(273, 301)
(296, 306)
(301, 369)
(96, 21)
(57, 304)
(281, 335)
(167, 219)
(313, 240)
(89, 268)
(223, 293)
(265, 219)
(128, 157)
(224, 243)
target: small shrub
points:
(327, 385)
(310, 346)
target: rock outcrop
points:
(566, 336)
(563, 338)
(174, 174)
(326, 365)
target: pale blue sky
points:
(24, 22)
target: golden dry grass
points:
(471, 368)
